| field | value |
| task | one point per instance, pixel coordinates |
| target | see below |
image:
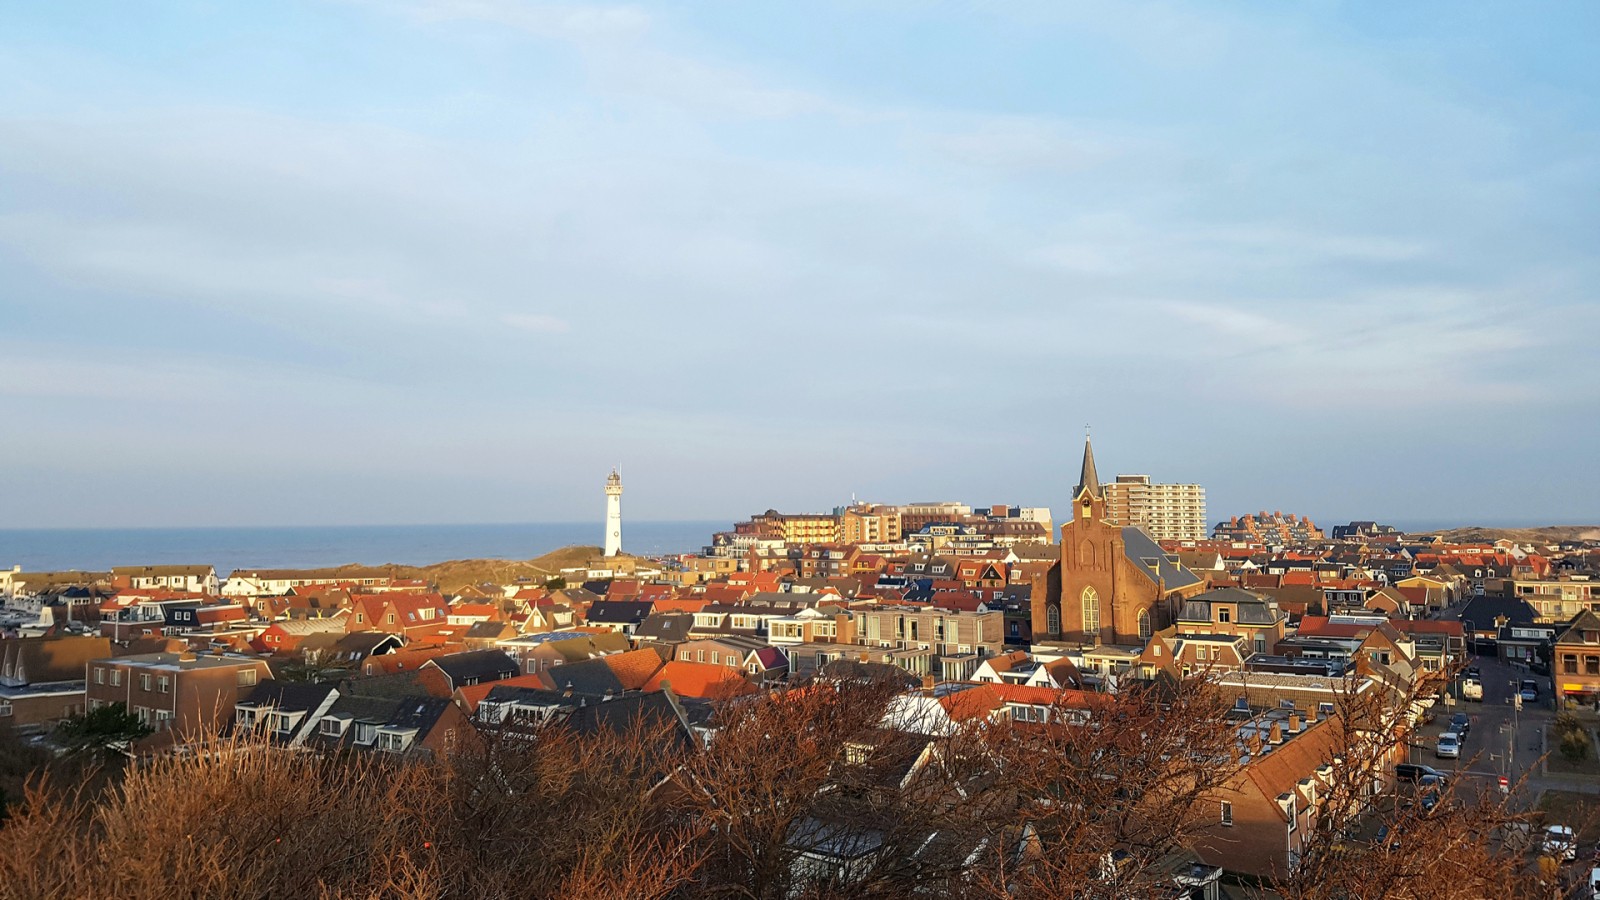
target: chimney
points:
(1276, 736)
(1294, 723)
(928, 681)
(1255, 743)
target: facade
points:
(916, 516)
(1577, 659)
(1269, 530)
(1166, 512)
(978, 634)
(185, 695)
(864, 524)
(188, 579)
(1265, 816)
(613, 514)
(1558, 599)
(272, 582)
(1112, 584)
(41, 679)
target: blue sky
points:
(450, 260)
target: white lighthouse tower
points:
(613, 514)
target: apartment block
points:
(186, 694)
(1167, 512)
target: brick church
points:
(1113, 583)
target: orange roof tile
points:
(701, 680)
(633, 668)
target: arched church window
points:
(1053, 619)
(1091, 611)
(1144, 625)
(1086, 554)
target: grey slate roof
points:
(475, 665)
(1144, 552)
(619, 612)
(666, 628)
(588, 676)
(1088, 478)
(288, 696)
(1252, 608)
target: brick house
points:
(183, 696)
(1577, 659)
(1264, 816)
(407, 614)
(41, 679)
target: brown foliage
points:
(979, 808)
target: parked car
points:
(1430, 798)
(1594, 882)
(1560, 842)
(1461, 723)
(1449, 746)
(1472, 689)
(1530, 690)
(1416, 772)
(1473, 673)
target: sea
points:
(294, 547)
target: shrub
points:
(1575, 745)
(1566, 721)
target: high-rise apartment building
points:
(1166, 512)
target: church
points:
(1113, 584)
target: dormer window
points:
(333, 727)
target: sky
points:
(435, 261)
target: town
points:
(1480, 660)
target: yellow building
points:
(865, 524)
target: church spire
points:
(1088, 479)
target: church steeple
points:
(1088, 479)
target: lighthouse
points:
(613, 514)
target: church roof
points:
(1088, 479)
(1144, 552)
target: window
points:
(99, 675)
(1053, 619)
(164, 684)
(365, 732)
(1569, 664)
(393, 742)
(1324, 709)
(716, 658)
(246, 677)
(332, 727)
(391, 618)
(163, 719)
(1591, 665)
(1227, 813)
(1091, 611)
(144, 681)
(1144, 625)
(116, 677)
(699, 656)
(1224, 614)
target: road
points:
(1501, 741)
